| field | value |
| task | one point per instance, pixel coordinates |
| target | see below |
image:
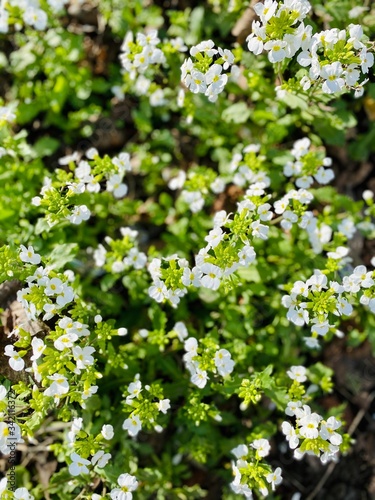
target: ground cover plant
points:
(187, 261)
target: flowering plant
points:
(176, 254)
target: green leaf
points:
(237, 113)
(46, 146)
(62, 254)
(42, 226)
(249, 274)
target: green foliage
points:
(178, 244)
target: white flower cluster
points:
(123, 254)
(99, 459)
(85, 180)
(291, 12)
(68, 332)
(49, 295)
(336, 57)
(133, 424)
(240, 484)
(76, 214)
(318, 436)
(55, 292)
(246, 167)
(307, 166)
(138, 55)
(313, 301)
(194, 192)
(215, 262)
(340, 74)
(33, 14)
(17, 494)
(222, 359)
(318, 232)
(172, 287)
(202, 74)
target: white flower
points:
(192, 277)
(199, 378)
(347, 228)
(259, 230)
(266, 10)
(157, 98)
(276, 49)
(80, 213)
(227, 56)
(83, 355)
(298, 316)
(158, 291)
(3, 485)
(133, 425)
(309, 425)
(65, 296)
(178, 44)
(264, 212)
(78, 465)
(35, 17)
(246, 255)
(6, 112)
(59, 385)
(206, 46)
(297, 373)
(15, 361)
(107, 432)
(215, 79)
(29, 255)
(116, 186)
(327, 431)
(3, 393)
(274, 478)
(281, 205)
(100, 459)
(255, 41)
(300, 288)
(223, 362)
(87, 393)
(367, 60)
(357, 11)
(292, 407)
(332, 73)
(324, 175)
(65, 341)
(197, 82)
(54, 286)
(128, 483)
(291, 435)
(217, 186)
(289, 218)
(211, 277)
(262, 446)
(134, 390)
(164, 405)
(22, 494)
(194, 199)
(214, 237)
(122, 162)
(181, 331)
